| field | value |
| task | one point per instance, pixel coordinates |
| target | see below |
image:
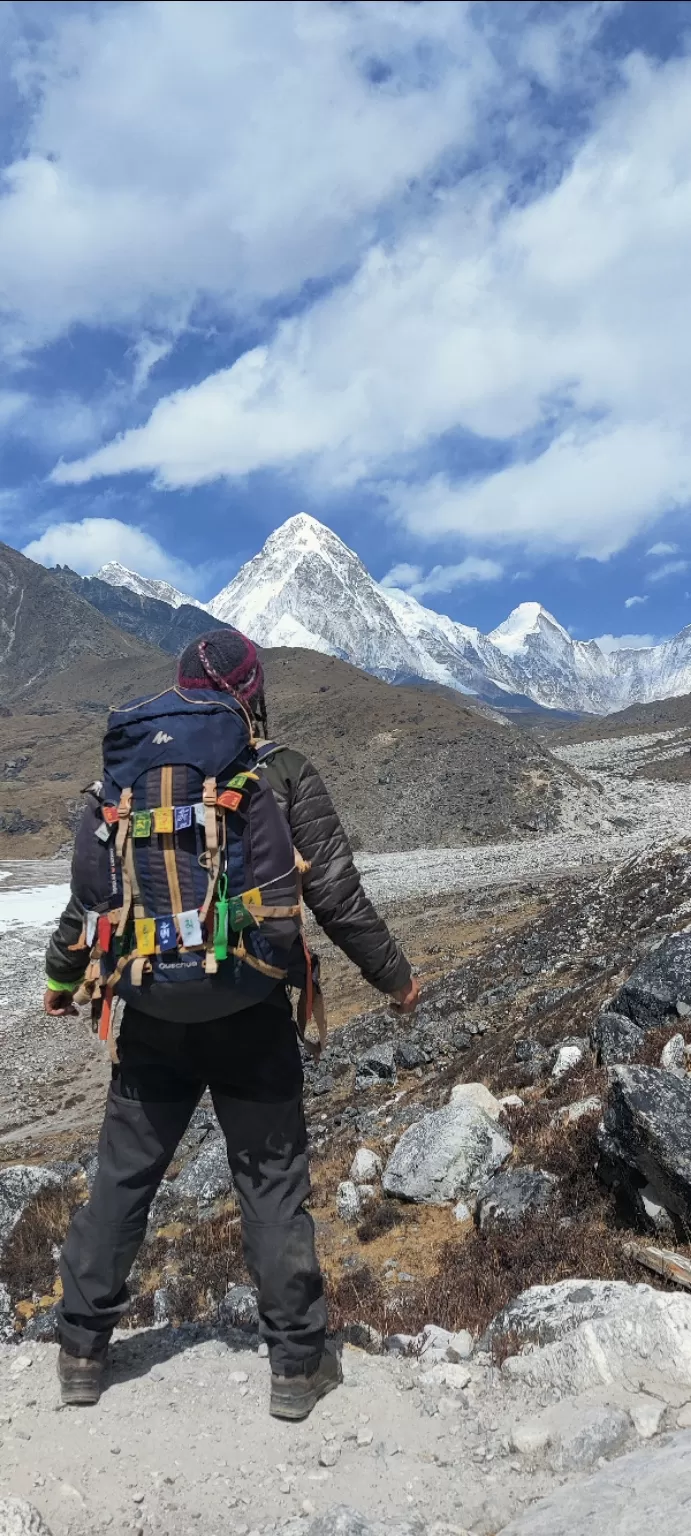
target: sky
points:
(420, 270)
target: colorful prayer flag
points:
(238, 915)
(90, 922)
(141, 824)
(166, 934)
(145, 931)
(102, 832)
(190, 928)
(199, 813)
(231, 799)
(252, 898)
(163, 818)
(239, 780)
(109, 814)
(104, 929)
(183, 817)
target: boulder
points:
(478, 1094)
(376, 1065)
(615, 1038)
(17, 1518)
(409, 1054)
(570, 1114)
(646, 1129)
(673, 1057)
(446, 1155)
(568, 1056)
(534, 1061)
(348, 1202)
(659, 990)
(238, 1309)
(511, 1195)
(642, 1341)
(647, 1490)
(573, 1434)
(545, 1313)
(19, 1185)
(206, 1177)
(365, 1167)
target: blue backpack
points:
(205, 916)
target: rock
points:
(583, 1433)
(19, 1185)
(511, 1101)
(476, 1093)
(328, 1455)
(408, 1055)
(367, 1193)
(646, 1414)
(6, 1312)
(340, 1521)
(365, 1167)
(376, 1065)
(510, 1196)
(684, 1417)
(238, 1309)
(531, 1437)
(438, 1344)
(534, 1060)
(646, 1128)
(568, 1056)
(462, 1212)
(207, 1177)
(348, 1204)
(545, 1313)
(17, 1518)
(615, 1038)
(673, 1057)
(570, 1114)
(653, 993)
(445, 1155)
(656, 1214)
(647, 1490)
(644, 1338)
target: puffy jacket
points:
(332, 887)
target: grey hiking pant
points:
(251, 1064)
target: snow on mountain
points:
(118, 576)
(307, 588)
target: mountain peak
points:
(118, 575)
(527, 619)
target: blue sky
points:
(423, 271)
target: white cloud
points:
(632, 602)
(402, 575)
(663, 549)
(444, 578)
(609, 643)
(87, 545)
(572, 310)
(670, 568)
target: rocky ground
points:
(528, 1128)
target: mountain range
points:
(306, 588)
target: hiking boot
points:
(80, 1379)
(294, 1397)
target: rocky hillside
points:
(406, 766)
(149, 618)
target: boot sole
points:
(78, 1396)
(286, 1408)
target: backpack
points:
(205, 913)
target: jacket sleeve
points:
(91, 884)
(332, 886)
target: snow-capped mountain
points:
(307, 588)
(118, 576)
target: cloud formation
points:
(609, 643)
(669, 568)
(632, 602)
(442, 578)
(91, 543)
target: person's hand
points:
(405, 1000)
(57, 1004)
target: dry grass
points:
(28, 1262)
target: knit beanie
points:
(226, 660)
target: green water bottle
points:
(221, 920)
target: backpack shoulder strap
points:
(266, 749)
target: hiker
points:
(161, 915)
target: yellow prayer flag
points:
(252, 898)
(164, 820)
(145, 934)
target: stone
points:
(673, 1057)
(656, 1214)
(511, 1101)
(531, 1437)
(646, 1129)
(647, 1490)
(19, 1185)
(6, 1312)
(340, 1521)
(348, 1205)
(207, 1177)
(646, 1414)
(462, 1212)
(460, 1346)
(447, 1154)
(376, 1065)
(684, 1416)
(478, 1094)
(238, 1309)
(583, 1433)
(365, 1167)
(570, 1114)
(615, 1039)
(367, 1193)
(658, 985)
(568, 1056)
(17, 1518)
(408, 1055)
(643, 1340)
(510, 1196)
(328, 1455)
(534, 1060)
(546, 1313)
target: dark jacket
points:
(331, 888)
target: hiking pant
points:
(251, 1064)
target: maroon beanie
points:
(226, 660)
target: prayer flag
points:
(109, 814)
(90, 927)
(190, 928)
(141, 824)
(166, 934)
(238, 915)
(231, 800)
(163, 818)
(199, 815)
(145, 931)
(102, 832)
(183, 817)
(104, 929)
(252, 898)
